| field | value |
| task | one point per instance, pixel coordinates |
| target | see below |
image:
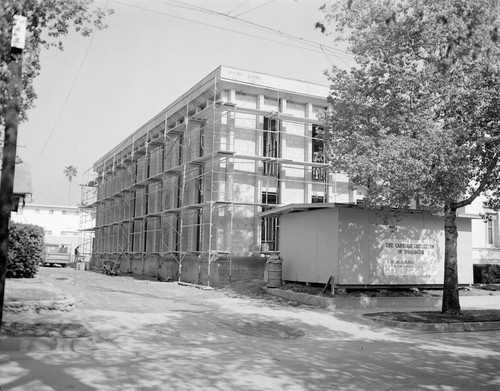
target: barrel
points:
(274, 271)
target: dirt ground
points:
(475, 290)
(254, 288)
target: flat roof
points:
(223, 74)
(294, 208)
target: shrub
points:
(25, 250)
(486, 274)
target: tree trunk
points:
(451, 302)
(12, 109)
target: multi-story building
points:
(485, 233)
(60, 223)
(181, 196)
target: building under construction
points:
(181, 197)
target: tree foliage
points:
(25, 250)
(48, 22)
(70, 172)
(417, 122)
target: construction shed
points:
(180, 198)
(366, 248)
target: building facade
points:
(485, 233)
(180, 198)
(60, 223)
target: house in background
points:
(485, 233)
(21, 186)
(60, 223)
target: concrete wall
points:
(361, 247)
(194, 270)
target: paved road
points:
(160, 336)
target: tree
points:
(47, 22)
(70, 172)
(417, 122)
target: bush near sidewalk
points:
(486, 274)
(25, 250)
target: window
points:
(490, 238)
(37, 211)
(269, 225)
(69, 233)
(48, 232)
(64, 212)
(318, 173)
(51, 212)
(271, 146)
(199, 200)
(316, 199)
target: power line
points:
(182, 4)
(214, 26)
(239, 6)
(66, 99)
(333, 51)
(254, 8)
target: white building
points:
(485, 233)
(60, 223)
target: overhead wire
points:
(239, 6)
(254, 8)
(68, 95)
(215, 26)
(307, 45)
(338, 53)
(185, 5)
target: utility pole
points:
(12, 109)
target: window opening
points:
(317, 199)
(200, 210)
(318, 173)
(269, 225)
(271, 144)
(181, 141)
(490, 232)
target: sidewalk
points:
(39, 297)
(33, 294)
(383, 305)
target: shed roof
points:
(294, 208)
(22, 179)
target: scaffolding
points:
(175, 189)
(87, 224)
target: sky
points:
(102, 88)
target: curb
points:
(389, 302)
(439, 327)
(66, 305)
(44, 344)
(198, 286)
(356, 302)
